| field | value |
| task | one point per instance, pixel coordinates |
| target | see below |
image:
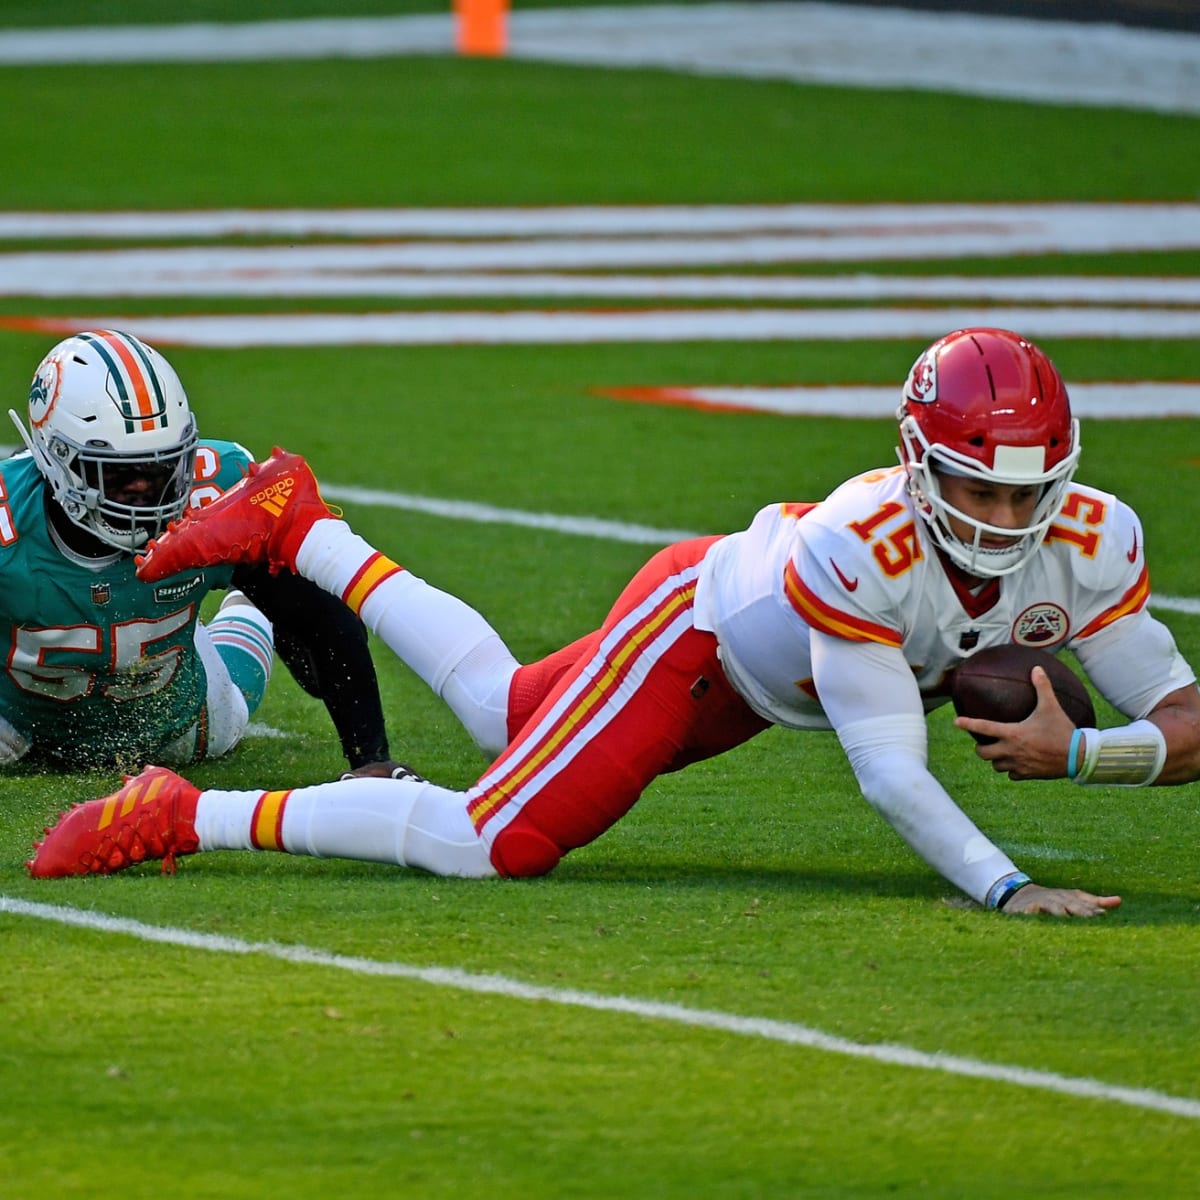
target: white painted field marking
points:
(597, 527)
(786, 1032)
(145, 273)
(562, 327)
(1054, 61)
(486, 514)
(65, 278)
(808, 232)
(1094, 401)
(259, 729)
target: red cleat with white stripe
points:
(261, 519)
(152, 817)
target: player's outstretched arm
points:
(1059, 902)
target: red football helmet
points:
(987, 404)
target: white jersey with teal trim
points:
(98, 667)
(860, 566)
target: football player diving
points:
(847, 614)
(102, 669)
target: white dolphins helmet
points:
(104, 406)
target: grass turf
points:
(759, 884)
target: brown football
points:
(994, 685)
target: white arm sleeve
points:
(1135, 663)
(869, 694)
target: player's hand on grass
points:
(1059, 902)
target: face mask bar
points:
(923, 461)
(131, 523)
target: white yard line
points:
(786, 1032)
(837, 231)
(1011, 58)
(81, 275)
(561, 327)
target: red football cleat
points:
(261, 519)
(153, 816)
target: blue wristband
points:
(1002, 890)
(1073, 754)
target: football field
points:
(530, 319)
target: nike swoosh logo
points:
(848, 584)
(1132, 555)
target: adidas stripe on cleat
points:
(152, 817)
(262, 519)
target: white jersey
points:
(843, 615)
(861, 566)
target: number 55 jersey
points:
(98, 667)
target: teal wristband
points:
(1073, 754)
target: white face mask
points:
(1015, 466)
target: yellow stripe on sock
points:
(267, 831)
(371, 577)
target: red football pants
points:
(595, 722)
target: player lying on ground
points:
(866, 600)
(101, 668)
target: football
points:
(994, 685)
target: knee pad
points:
(519, 852)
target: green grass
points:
(759, 884)
(384, 131)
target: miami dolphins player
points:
(100, 669)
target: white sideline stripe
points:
(246, 330)
(597, 527)
(786, 1032)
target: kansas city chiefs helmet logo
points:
(921, 385)
(44, 391)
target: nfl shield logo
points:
(101, 593)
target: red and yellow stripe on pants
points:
(647, 695)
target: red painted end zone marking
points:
(678, 397)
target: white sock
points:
(440, 637)
(408, 822)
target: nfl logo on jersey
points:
(101, 593)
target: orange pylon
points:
(481, 26)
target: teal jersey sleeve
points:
(99, 668)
